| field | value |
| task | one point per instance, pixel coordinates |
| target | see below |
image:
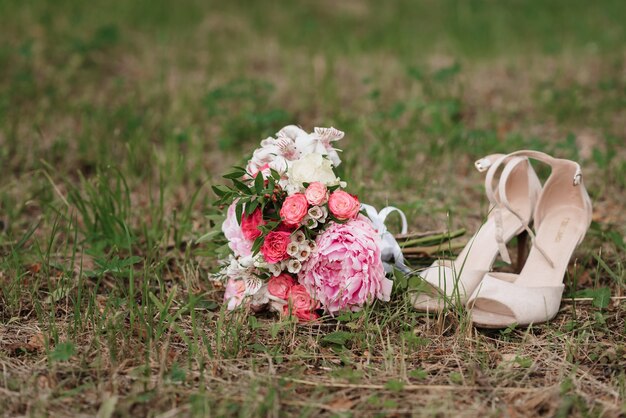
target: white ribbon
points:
(391, 253)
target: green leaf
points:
(275, 174)
(242, 187)
(63, 351)
(208, 236)
(239, 212)
(250, 207)
(601, 296)
(220, 190)
(237, 174)
(524, 362)
(271, 185)
(338, 337)
(209, 305)
(394, 385)
(259, 182)
(256, 246)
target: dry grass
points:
(110, 135)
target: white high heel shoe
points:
(561, 219)
(451, 282)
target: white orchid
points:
(318, 142)
(292, 144)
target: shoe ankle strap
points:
(559, 167)
(549, 160)
(498, 195)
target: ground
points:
(117, 117)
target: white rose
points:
(311, 168)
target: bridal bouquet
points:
(298, 242)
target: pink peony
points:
(316, 194)
(235, 292)
(274, 248)
(346, 270)
(294, 209)
(280, 286)
(343, 205)
(250, 225)
(237, 241)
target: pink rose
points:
(238, 243)
(307, 315)
(250, 225)
(301, 304)
(235, 292)
(274, 248)
(346, 270)
(301, 299)
(343, 205)
(302, 315)
(280, 286)
(316, 194)
(294, 209)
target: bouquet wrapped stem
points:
(426, 245)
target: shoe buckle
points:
(482, 164)
(578, 177)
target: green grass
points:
(117, 117)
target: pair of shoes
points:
(561, 214)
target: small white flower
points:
(298, 237)
(315, 212)
(322, 218)
(309, 222)
(303, 252)
(294, 266)
(275, 269)
(312, 245)
(293, 248)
